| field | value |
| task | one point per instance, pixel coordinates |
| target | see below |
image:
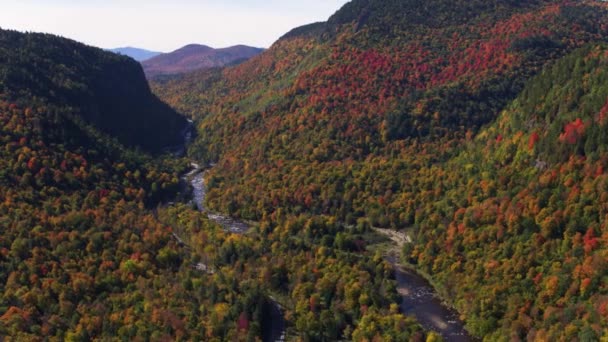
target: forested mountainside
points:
(475, 126)
(517, 220)
(81, 258)
(106, 90)
(88, 250)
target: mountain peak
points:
(423, 13)
(195, 47)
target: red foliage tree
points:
(603, 114)
(243, 322)
(590, 241)
(573, 131)
(533, 140)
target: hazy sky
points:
(165, 25)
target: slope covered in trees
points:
(106, 90)
(375, 118)
(517, 220)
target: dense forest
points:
(477, 127)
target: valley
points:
(450, 128)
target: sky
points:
(165, 25)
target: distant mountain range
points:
(194, 57)
(136, 53)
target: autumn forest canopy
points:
(476, 128)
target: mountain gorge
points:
(475, 132)
(87, 250)
(94, 246)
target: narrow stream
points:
(418, 296)
(273, 325)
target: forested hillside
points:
(476, 128)
(460, 122)
(517, 220)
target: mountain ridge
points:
(476, 130)
(194, 57)
(68, 168)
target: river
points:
(273, 323)
(419, 298)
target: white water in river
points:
(197, 180)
